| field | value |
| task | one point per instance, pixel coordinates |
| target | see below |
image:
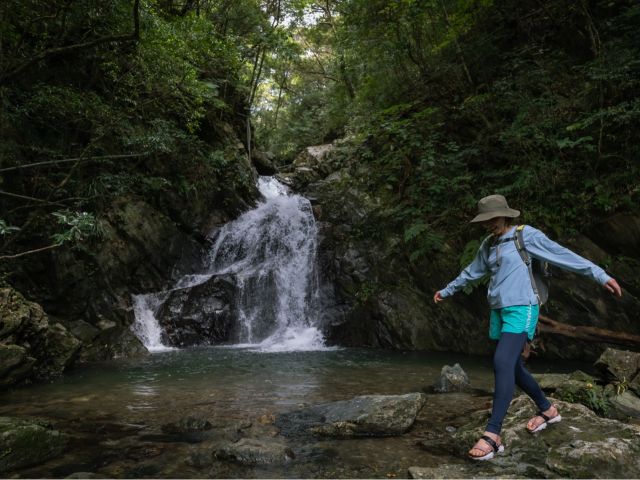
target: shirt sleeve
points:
(545, 249)
(474, 271)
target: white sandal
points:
(495, 448)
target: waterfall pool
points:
(117, 412)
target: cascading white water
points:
(271, 253)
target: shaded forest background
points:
(444, 101)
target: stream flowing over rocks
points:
(257, 285)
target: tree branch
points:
(17, 255)
(65, 160)
(589, 334)
(134, 36)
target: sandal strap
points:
(491, 442)
(544, 417)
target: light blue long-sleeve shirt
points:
(510, 283)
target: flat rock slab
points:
(364, 416)
(251, 451)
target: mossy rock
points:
(582, 445)
(619, 365)
(26, 443)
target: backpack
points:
(539, 271)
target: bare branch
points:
(65, 160)
(17, 255)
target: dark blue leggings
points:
(509, 371)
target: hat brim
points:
(508, 212)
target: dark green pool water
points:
(115, 411)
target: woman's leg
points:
(505, 360)
(528, 385)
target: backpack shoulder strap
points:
(485, 246)
(519, 241)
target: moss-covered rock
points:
(582, 445)
(32, 347)
(618, 365)
(25, 443)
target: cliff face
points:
(383, 299)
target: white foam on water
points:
(271, 252)
(146, 326)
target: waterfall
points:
(270, 252)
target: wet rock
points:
(459, 471)
(187, 424)
(31, 346)
(114, 342)
(618, 365)
(78, 475)
(25, 443)
(368, 415)
(263, 161)
(582, 445)
(249, 451)
(627, 404)
(15, 364)
(550, 382)
(452, 379)
(198, 315)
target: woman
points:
(514, 310)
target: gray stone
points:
(187, 424)
(32, 347)
(550, 382)
(452, 379)
(368, 415)
(581, 445)
(84, 331)
(627, 404)
(460, 470)
(25, 443)
(249, 451)
(619, 365)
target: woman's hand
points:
(437, 298)
(613, 287)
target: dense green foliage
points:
(440, 102)
(113, 98)
(447, 101)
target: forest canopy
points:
(441, 101)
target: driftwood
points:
(586, 333)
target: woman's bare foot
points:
(483, 448)
(539, 422)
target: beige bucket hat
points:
(494, 206)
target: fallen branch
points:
(65, 160)
(588, 334)
(49, 247)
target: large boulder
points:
(368, 415)
(618, 365)
(32, 347)
(24, 443)
(582, 445)
(200, 314)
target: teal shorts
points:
(515, 319)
